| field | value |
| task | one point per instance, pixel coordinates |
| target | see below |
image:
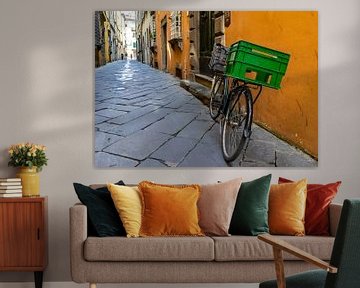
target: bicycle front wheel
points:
(237, 123)
(216, 96)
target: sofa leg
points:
(92, 285)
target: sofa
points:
(233, 259)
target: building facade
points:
(129, 34)
(145, 32)
(171, 42)
(99, 30)
(114, 36)
(179, 42)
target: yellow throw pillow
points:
(127, 201)
(287, 204)
(169, 210)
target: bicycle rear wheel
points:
(216, 96)
(237, 123)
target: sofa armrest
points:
(78, 235)
(334, 217)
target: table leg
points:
(38, 279)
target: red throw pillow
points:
(319, 197)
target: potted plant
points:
(30, 158)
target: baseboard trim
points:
(74, 285)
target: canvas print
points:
(206, 89)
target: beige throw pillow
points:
(216, 206)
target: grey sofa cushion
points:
(249, 248)
(149, 249)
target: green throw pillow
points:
(250, 216)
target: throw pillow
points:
(287, 204)
(128, 204)
(103, 218)
(319, 197)
(250, 215)
(169, 210)
(216, 206)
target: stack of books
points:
(10, 187)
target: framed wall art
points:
(206, 89)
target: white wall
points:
(46, 88)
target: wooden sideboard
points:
(23, 235)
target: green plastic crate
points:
(256, 64)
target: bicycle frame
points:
(227, 93)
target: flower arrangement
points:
(27, 155)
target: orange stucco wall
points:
(159, 16)
(292, 111)
(176, 56)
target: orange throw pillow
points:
(287, 204)
(169, 210)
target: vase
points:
(30, 181)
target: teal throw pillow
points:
(250, 216)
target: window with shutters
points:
(175, 32)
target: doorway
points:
(207, 38)
(164, 44)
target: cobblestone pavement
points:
(143, 118)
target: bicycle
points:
(231, 96)
(237, 109)
(233, 102)
(217, 66)
(235, 105)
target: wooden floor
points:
(74, 285)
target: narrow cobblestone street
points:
(143, 118)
